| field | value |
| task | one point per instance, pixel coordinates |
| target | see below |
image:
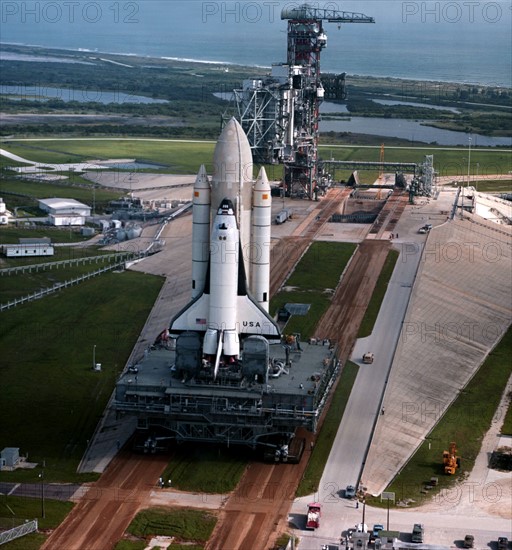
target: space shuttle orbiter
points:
(230, 251)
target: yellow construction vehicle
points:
(450, 459)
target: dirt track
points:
(257, 510)
(101, 517)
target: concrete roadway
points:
(354, 434)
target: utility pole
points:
(43, 513)
(469, 157)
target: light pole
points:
(94, 357)
(41, 475)
(364, 509)
(469, 157)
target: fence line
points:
(20, 531)
(59, 286)
(69, 262)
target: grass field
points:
(313, 282)
(178, 156)
(55, 399)
(12, 234)
(372, 311)
(21, 284)
(207, 469)
(494, 186)
(15, 510)
(22, 193)
(186, 157)
(191, 528)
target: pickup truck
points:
(417, 533)
(313, 517)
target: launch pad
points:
(240, 406)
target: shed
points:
(9, 458)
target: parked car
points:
(425, 228)
(469, 541)
(350, 491)
(133, 369)
(377, 528)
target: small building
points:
(65, 211)
(29, 247)
(9, 458)
(4, 213)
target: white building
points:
(9, 458)
(65, 211)
(4, 213)
(29, 247)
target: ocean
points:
(447, 41)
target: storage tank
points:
(133, 231)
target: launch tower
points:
(280, 114)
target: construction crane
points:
(280, 113)
(450, 459)
(306, 39)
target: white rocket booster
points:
(260, 239)
(225, 305)
(200, 231)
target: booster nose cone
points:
(262, 183)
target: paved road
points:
(354, 434)
(55, 491)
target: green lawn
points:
(15, 510)
(372, 311)
(17, 192)
(494, 186)
(313, 282)
(207, 468)
(186, 157)
(179, 157)
(187, 525)
(55, 399)
(20, 285)
(506, 429)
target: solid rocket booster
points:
(200, 231)
(260, 239)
